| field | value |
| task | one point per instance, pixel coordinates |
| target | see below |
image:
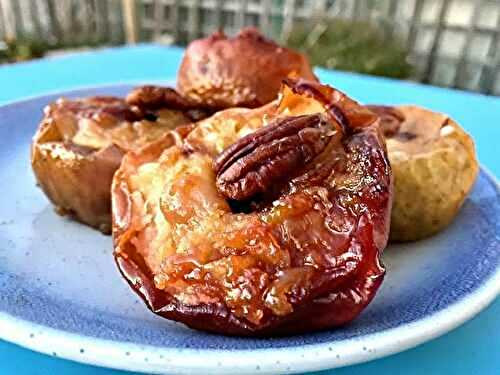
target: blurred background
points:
(452, 43)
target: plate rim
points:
(313, 357)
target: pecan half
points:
(155, 97)
(96, 107)
(149, 98)
(273, 153)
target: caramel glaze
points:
(308, 259)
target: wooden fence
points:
(64, 23)
(454, 43)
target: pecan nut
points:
(270, 155)
(149, 98)
(96, 107)
(155, 97)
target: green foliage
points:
(22, 49)
(29, 47)
(357, 46)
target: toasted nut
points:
(271, 154)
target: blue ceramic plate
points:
(61, 294)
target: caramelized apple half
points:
(80, 144)
(299, 253)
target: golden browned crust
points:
(220, 72)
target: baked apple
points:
(80, 144)
(434, 166)
(245, 71)
(259, 222)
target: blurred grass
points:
(30, 47)
(357, 46)
(22, 49)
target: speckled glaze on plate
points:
(61, 294)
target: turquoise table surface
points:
(473, 348)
